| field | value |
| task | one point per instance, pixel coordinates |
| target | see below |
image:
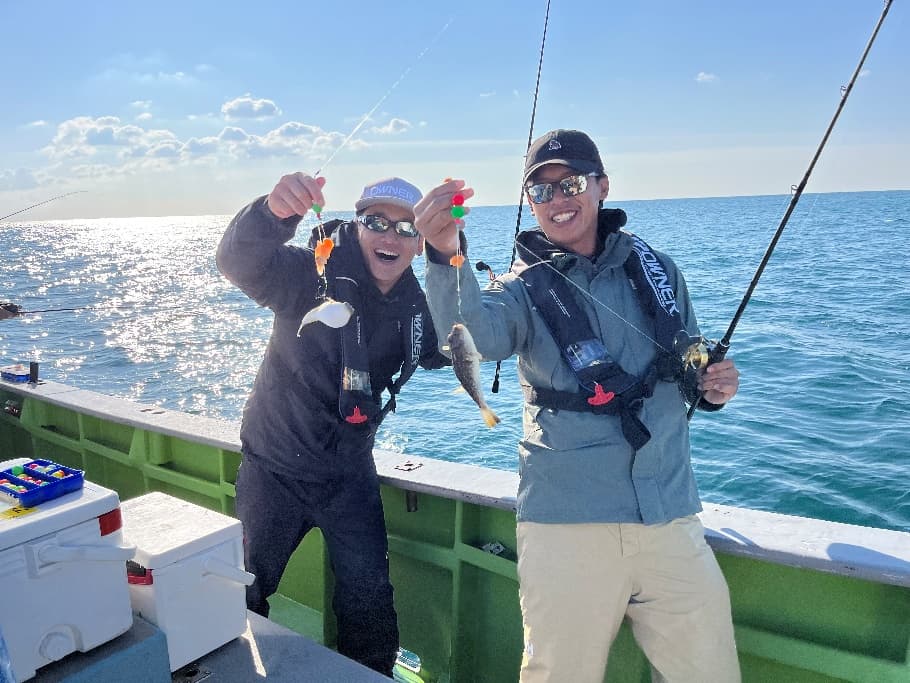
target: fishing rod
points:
(11, 310)
(366, 117)
(704, 352)
(46, 201)
(521, 195)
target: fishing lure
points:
(457, 211)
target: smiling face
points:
(387, 254)
(570, 222)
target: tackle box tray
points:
(14, 373)
(36, 481)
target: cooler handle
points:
(227, 571)
(50, 554)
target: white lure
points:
(329, 312)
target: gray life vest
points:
(604, 386)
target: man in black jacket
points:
(310, 421)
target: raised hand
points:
(295, 194)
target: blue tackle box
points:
(37, 481)
(15, 373)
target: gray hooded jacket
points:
(577, 467)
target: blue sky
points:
(196, 107)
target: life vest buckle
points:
(600, 396)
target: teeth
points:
(386, 255)
(563, 217)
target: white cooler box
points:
(187, 576)
(63, 584)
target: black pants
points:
(277, 512)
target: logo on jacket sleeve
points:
(416, 338)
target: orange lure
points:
(323, 251)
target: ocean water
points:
(820, 426)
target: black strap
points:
(627, 407)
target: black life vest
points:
(358, 403)
(606, 388)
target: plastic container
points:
(187, 576)
(14, 373)
(37, 481)
(64, 579)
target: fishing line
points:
(719, 350)
(593, 298)
(325, 244)
(382, 99)
(46, 201)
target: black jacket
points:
(291, 420)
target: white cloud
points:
(36, 124)
(705, 77)
(393, 127)
(165, 149)
(492, 93)
(232, 134)
(295, 129)
(110, 147)
(864, 72)
(200, 147)
(247, 107)
(84, 137)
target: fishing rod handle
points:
(716, 353)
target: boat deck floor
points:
(266, 651)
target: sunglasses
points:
(382, 224)
(541, 193)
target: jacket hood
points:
(534, 246)
(347, 251)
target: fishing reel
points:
(696, 353)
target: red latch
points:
(110, 522)
(600, 396)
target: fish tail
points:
(491, 418)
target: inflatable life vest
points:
(358, 404)
(606, 388)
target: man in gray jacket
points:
(607, 499)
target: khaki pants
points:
(578, 582)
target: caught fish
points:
(329, 312)
(466, 363)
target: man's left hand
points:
(719, 382)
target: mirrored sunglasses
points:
(382, 224)
(541, 193)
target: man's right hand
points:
(433, 216)
(295, 194)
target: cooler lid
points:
(166, 529)
(20, 525)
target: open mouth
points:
(387, 256)
(563, 217)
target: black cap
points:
(566, 147)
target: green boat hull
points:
(812, 601)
